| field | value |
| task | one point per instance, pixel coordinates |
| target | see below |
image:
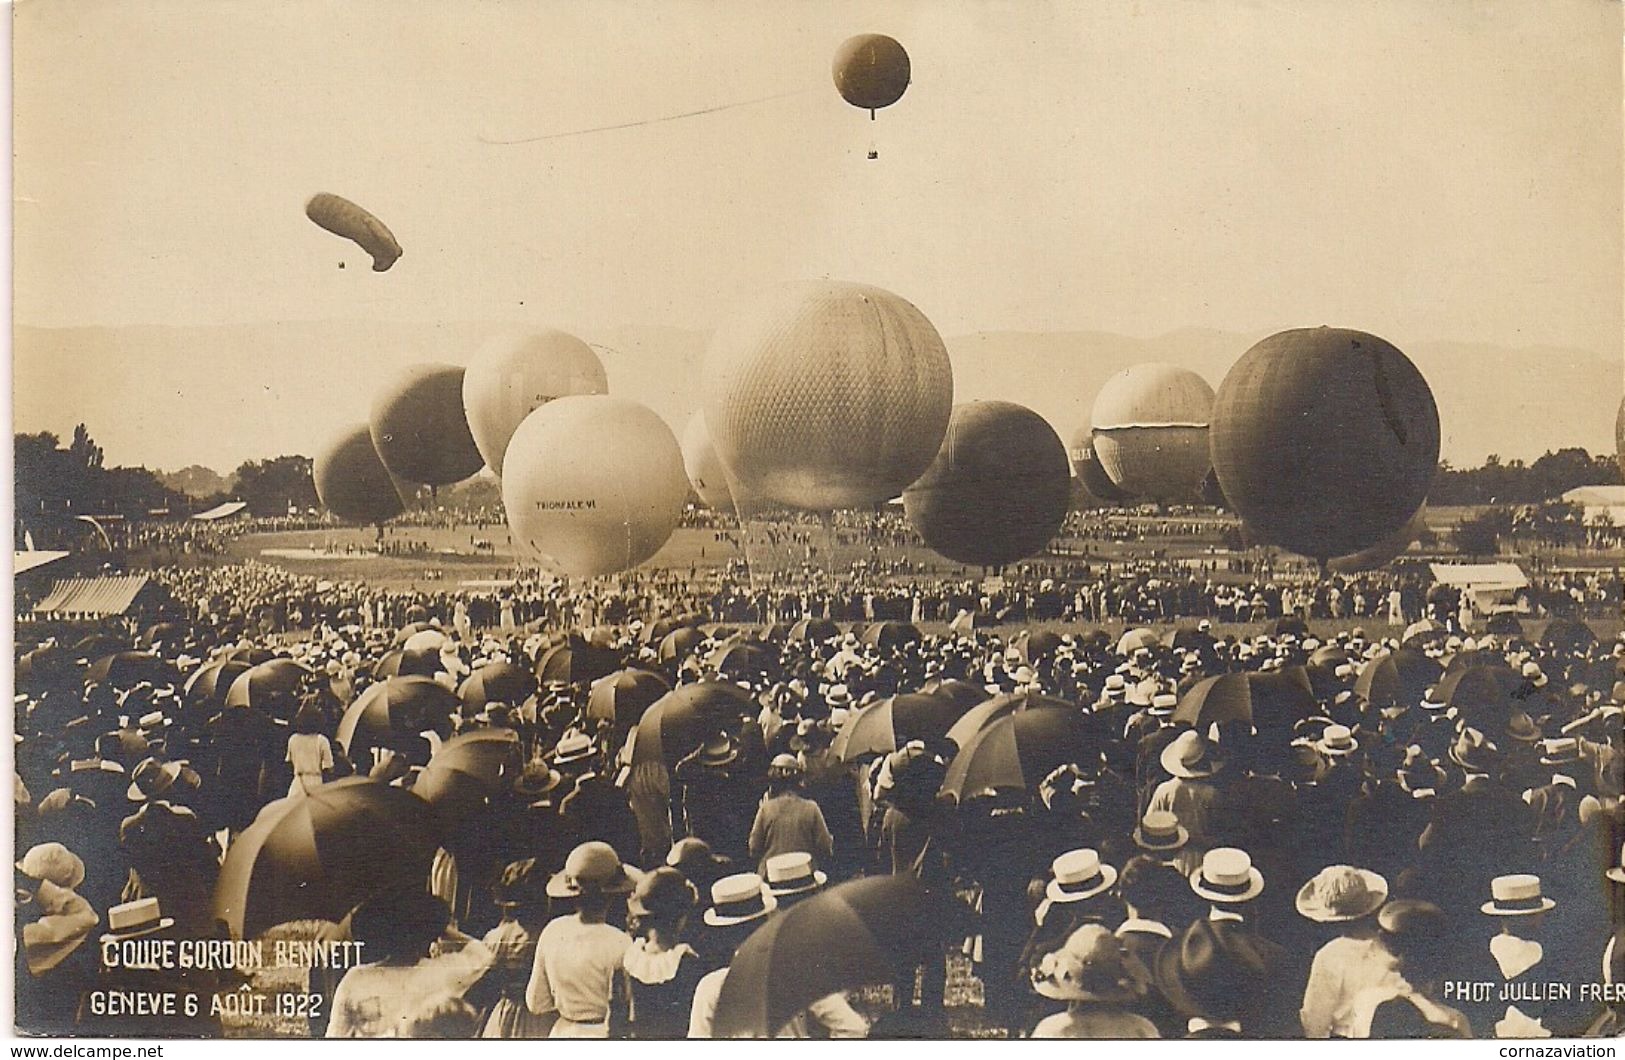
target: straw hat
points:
(1187, 755)
(1227, 875)
(1342, 892)
(1160, 830)
(573, 746)
(1337, 741)
(1516, 895)
(784, 767)
(739, 899)
(53, 862)
(1078, 874)
(719, 750)
(592, 866)
(134, 919)
(792, 874)
(1091, 966)
(153, 779)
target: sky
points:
(1426, 171)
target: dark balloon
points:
(1087, 469)
(419, 429)
(871, 71)
(998, 489)
(353, 483)
(1325, 440)
(344, 218)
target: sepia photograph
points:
(910, 519)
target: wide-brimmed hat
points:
(1419, 772)
(719, 750)
(1091, 966)
(1472, 752)
(837, 696)
(1336, 741)
(155, 779)
(791, 874)
(134, 919)
(1342, 892)
(53, 862)
(1521, 728)
(1189, 755)
(1429, 700)
(1160, 830)
(1617, 873)
(1078, 874)
(665, 894)
(537, 780)
(1516, 895)
(592, 866)
(1163, 704)
(1218, 969)
(784, 767)
(1561, 751)
(1227, 875)
(1533, 674)
(573, 746)
(739, 899)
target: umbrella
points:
(656, 631)
(1268, 700)
(888, 636)
(622, 697)
(251, 656)
(408, 662)
(854, 934)
(1322, 671)
(742, 659)
(1290, 625)
(1420, 627)
(206, 689)
(678, 643)
(575, 662)
(1504, 625)
(1477, 659)
(777, 632)
(964, 693)
(44, 665)
(416, 614)
(170, 633)
(319, 855)
(468, 769)
(1189, 638)
(97, 645)
(1135, 639)
(680, 720)
(126, 669)
(397, 706)
(1397, 678)
(1481, 697)
(496, 682)
(269, 681)
(816, 630)
(989, 710)
(1568, 636)
(1037, 645)
(1016, 751)
(890, 723)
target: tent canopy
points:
(33, 559)
(104, 597)
(221, 511)
(1480, 576)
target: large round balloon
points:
(1385, 551)
(512, 375)
(419, 429)
(1087, 470)
(871, 71)
(1150, 430)
(998, 489)
(823, 395)
(352, 482)
(703, 466)
(344, 218)
(593, 484)
(1325, 440)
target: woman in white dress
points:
(309, 752)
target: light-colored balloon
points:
(823, 395)
(514, 374)
(1150, 431)
(593, 484)
(704, 467)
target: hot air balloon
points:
(1150, 431)
(419, 429)
(998, 490)
(1087, 470)
(514, 374)
(593, 484)
(1325, 440)
(1385, 551)
(344, 218)
(703, 466)
(823, 395)
(871, 71)
(352, 482)
(1619, 436)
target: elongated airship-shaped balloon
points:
(419, 429)
(344, 218)
(704, 467)
(352, 482)
(1325, 440)
(1087, 470)
(1150, 429)
(998, 489)
(593, 484)
(513, 375)
(871, 71)
(823, 395)
(1383, 552)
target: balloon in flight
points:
(514, 374)
(998, 489)
(823, 395)
(1325, 440)
(593, 484)
(419, 429)
(871, 71)
(352, 482)
(1151, 431)
(344, 218)
(703, 466)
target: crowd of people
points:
(1145, 835)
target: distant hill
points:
(172, 397)
(196, 481)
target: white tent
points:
(221, 511)
(1492, 587)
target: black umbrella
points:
(393, 708)
(742, 659)
(680, 721)
(889, 636)
(992, 709)
(1290, 624)
(1568, 636)
(1272, 701)
(621, 698)
(1397, 678)
(408, 662)
(126, 669)
(890, 723)
(575, 662)
(1504, 625)
(207, 687)
(816, 630)
(1016, 752)
(675, 645)
(496, 682)
(964, 693)
(1035, 646)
